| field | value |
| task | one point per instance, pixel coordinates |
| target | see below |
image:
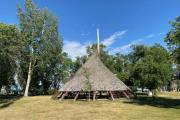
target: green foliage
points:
(78, 63)
(173, 36)
(151, 66)
(43, 49)
(173, 41)
(93, 48)
(10, 50)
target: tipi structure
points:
(94, 80)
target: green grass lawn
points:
(165, 107)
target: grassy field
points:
(165, 107)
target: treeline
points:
(32, 60)
(144, 66)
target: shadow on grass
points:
(161, 102)
(7, 100)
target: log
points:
(60, 94)
(134, 94)
(124, 92)
(75, 98)
(111, 95)
(62, 97)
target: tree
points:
(11, 45)
(151, 66)
(78, 63)
(123, 67)
(93, 48)
(137, 65)
(62, 71)
(173, 41)
(43, 45)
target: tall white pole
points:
(98, 41)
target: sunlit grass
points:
(44, 108)
(174, 95)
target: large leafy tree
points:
(151, 66)
(173, 41)
(43, 44)
(136, 56)
(10, 50)
(122, 68)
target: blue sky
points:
(121, 22)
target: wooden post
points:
(62, 97)
(125, 94)
(60, 94)
(111, 95)
(134, 94)
(94, 95)
(75, 98)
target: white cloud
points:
(110, 40)
(74, 49)
(127, 48)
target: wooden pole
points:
(124, 92)
(89, 96)
(98, 42)
(60, 94)
(63, 96)
(111, 95)
(134, 94)
(94, 95)
(75, 98)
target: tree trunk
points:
(28, 79)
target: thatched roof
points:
(98, 75)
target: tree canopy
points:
(173, 41)
(43, 48)
(151, 66)
(11, 45)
